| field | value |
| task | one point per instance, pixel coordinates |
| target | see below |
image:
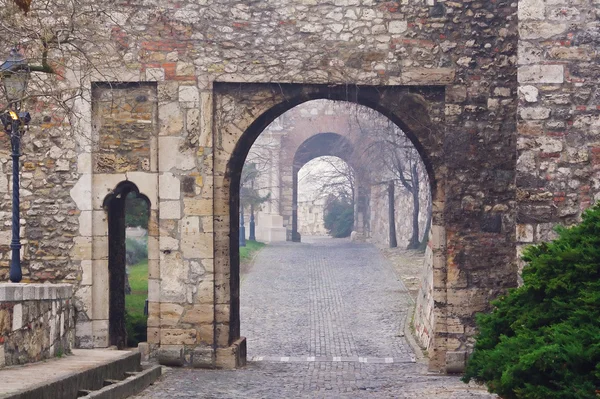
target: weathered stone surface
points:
(37, 322)
(471, 134)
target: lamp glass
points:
(15, 84)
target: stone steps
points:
(117, 375)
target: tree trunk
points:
(392, 214)
(414, 239)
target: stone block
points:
(17, 317)
(169, 186)
(206, 290)
(189, 94)
(529, 93)
(197, 207)
(199, 314)
(173, 274)
(169, 243)
(100, 328)
(85, 223)
(170, 314)
(541, 74)
(86, 272)
(170, 117)
(168, 149)
(532, 30)
(525, 233)
(232, 356)
(177, 336)
(154, 293)
(153, 335)
(170, 356)
(397, 27)
(100, 290)
(100, 248)
(206, 333)
(153, 268)
(195, 244)
(153, 248)
(84, 163)
(170, 210)
(456, 362)
(99, 223)
(222, 313)
(81, 193)
(531, 9)
(155, 74)
(82, 249)
(203, 357)
(206, 112)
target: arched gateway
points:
(243, 111)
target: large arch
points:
(243, 111)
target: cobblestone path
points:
(323, 319)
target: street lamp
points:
(15, 76)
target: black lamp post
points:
(15, 76)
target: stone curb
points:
(410, 339)
(129, 386)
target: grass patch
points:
(135, 320)
(248, 251)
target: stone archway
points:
(326, 144)
(242, 112)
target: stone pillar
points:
(270, 223)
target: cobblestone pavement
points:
(323, 319)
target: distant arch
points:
(319, 145)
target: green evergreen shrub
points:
(542, 340)
(338, 217)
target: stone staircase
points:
(98, 374)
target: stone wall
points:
(559, 115)
(37, 322)
(444, 71)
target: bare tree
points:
(68, 44)
(393, 159)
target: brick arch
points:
(243, 111)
